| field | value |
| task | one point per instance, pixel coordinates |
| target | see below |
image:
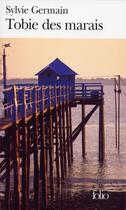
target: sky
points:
(88, 57)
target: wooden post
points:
(57, 147)
(61, 132)
(71, 141)
(119, 92)
(8, 160)
(64, 130)
(24, 168)
(116, 131)
(117, 114)
(4, 79)
(83, 132)
(101, 132)
(84, 90)
(68, 135)
(51, 148)
(64, 139)
(4, 70)
(16, 158)
(43, 160)
(61, 142)
(57, 139)
(25, 155)
(36, 165)
(28, 164)
(46, 131)
(16, 161)
(51, 154)
(47, 147)
(43, 163)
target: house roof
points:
(59, 68)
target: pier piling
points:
(38, 141)
(101, 133)
(83, 132)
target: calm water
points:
(89, 173)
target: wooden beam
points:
(101, 133)
(8, 169)
(83, 132)
(79, 127)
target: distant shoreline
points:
(35, 81)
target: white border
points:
(111, 13)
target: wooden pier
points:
(36, 142)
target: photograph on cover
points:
(62, 124)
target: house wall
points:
(47, 78)
(50, 78)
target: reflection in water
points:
(100, 174)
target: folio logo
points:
(100, 195)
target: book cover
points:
(62, 105)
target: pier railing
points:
(24, 101)
(88, 90)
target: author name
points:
(36, 10)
